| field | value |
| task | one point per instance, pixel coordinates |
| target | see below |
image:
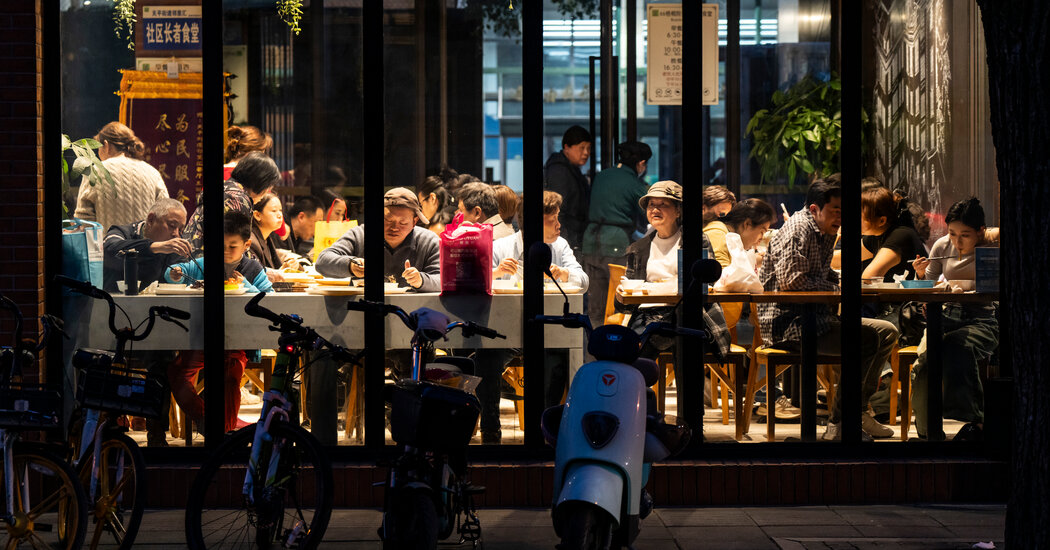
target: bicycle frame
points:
(276, 405)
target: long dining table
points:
(325, 314)
(808, 383)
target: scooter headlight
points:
(599, 428)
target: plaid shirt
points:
(798, 258)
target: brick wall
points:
(21, 161)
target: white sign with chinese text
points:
(663, 84)
(171, 28)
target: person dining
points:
(971, 330)
(888, 237)
(718, 201)
(799, 259)
(479, 205)
(410, 253)
(254, 176)
(268, 217)
(507, 256)
(654, 258)
(437, 200)
(157, 239)
(746, 222)
(302, 221)
(508, 252)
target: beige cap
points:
(666, 189)
(399, 196)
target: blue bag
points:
(82, 250)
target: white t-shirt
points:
(663, 258)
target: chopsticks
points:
(936, 258)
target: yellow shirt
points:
(716, 232)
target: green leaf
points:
(791, 173)
(835, 84)
(807, 166)
(65, 142)
(811, 136)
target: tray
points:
(336, 290)
(333, 282)
(178, 290)
(937, 288)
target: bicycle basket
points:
(31, 406)
(432, 416)
(119, 389)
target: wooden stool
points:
(901, 361)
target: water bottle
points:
(131, 272)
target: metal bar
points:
(373, 168)
(51, 88)
(318, 110)
(214, 306)
(594, 116)
(732, 99)
(690, 402)
(532, 151)
(608, 85)
(631, 9)
(852, 170)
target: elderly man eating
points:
(410, 253)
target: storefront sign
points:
(664, 63)
(164, 64)
(168, 28)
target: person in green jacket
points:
(612, 219)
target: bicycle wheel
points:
(291, 511)
(121, 492)
(50, 508)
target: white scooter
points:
(609, 432)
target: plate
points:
(234, 291)
(176, 289)
(399, 290)
(335, 291)
(297, 278)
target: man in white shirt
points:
(508, 252)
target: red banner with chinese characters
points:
(167, 115)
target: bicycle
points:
(44, 505)
(285, 498)
(434, 413)
(109, 463)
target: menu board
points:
(663, 85)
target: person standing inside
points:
(563, 176)
(136, 184)
(241, 140)
(612, 219)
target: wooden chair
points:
(611, 316)
(901, 360)
(514, 374)
(354, 410)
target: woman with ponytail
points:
(136, 184)
(241, 140)
(437, 198)
(888, 237)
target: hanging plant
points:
(503, 16)
(124, 21)
(85, 163)
(291, 11)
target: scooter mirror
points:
(706, 271)
(540, 253)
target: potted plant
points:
(85, 163)
(800, 132)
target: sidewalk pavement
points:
(923, 527)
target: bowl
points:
(122, 287)
(962, 284)
(389, 287)
(917, 284)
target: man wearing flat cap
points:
(411, 254)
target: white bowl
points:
(122, 287)
(962, 284)
(389, 287)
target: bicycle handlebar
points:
(164, 312)
(469, 328)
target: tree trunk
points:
(1017, 33)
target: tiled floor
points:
(819, 527)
